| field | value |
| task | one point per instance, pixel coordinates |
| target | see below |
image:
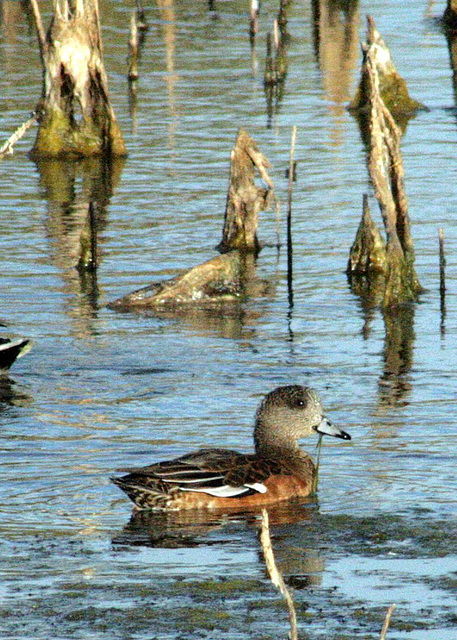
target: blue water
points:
(102, 389)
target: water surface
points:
(102, 390)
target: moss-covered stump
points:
(76, 115)
(217, 280)
(245, 199)
(392, 86)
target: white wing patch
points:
(258, 486)
(227, 491)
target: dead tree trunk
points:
(386, 172)
(76, 115)
(244, 198)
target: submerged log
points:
(76, 115)
(386, 172)
(224, 278)
(244, 198)
(392, 86)
(214, 281)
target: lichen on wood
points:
(392, 86)
(76, 116)
(244, 198)
(386, 172)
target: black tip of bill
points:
(329, 429)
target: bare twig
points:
(254, 25)
(289, 218)
(385, 626)
(133, 48)
(442, 263)
(7, 148)
(275, 575)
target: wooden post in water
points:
(442, 280)
(289, 219)
(391, 86)
(134, 50)
(254, 20)
(442, 263)
(368, 252)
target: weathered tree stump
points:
(244, 198)
(217, 280)
(386, 172)
(392, 86)
(76, 115)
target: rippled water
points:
(102, 389)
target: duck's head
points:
(290, 413)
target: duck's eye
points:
(299, 402)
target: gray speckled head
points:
(288, 414)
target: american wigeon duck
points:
(220, 478)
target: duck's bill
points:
(329, 429)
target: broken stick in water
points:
(88, 257)
(442, 263)
(442, 281)
(134, 49)
(390, 610)
(275, 575)
(254, 20)
(7, 148)
(289, 218)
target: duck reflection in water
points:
(292, 524)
